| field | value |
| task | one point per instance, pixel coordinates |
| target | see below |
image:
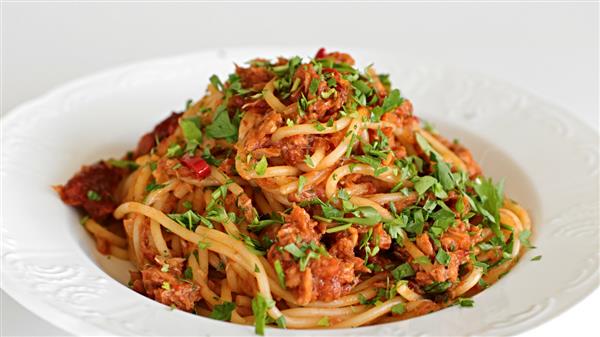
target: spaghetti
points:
(303, 195)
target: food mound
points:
(303, 194)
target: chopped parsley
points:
(260, 306)
(305, 253)
(422, 260)
(301, 182)
(222, 311)
(319, 127)
(314, 85)
(398, 309)
(280, 273)
(174, 150)
(442, 257)
(84, 219)
(188, 274)
(216, 82)
(424, 183)
(437, 287)
(222, 126)
(93, 195)
(261, 167)
(209, 158)
(488, 202)
(294, 250)
(391, 101)
(403, 271)
(258, 225)
(524, 238)
(338, 228)
(190, 220)
(126, 164)
(203, 245)
(465, 302)
(191, 131)
(324, 321)
(308, 160)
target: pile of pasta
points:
(301, 194)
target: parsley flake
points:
(222, 311)
(261, 167)
(324, 321)
(93, 195)
(398, 309)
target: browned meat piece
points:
(254, 77)
(168, 287)
(93, 188)
(294, 149)
(331, 278)
(324, 278)
(425, 245)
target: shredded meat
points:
(324, 278)
(254, 77)
(241, 205)
(383, 239)
(454, 238)
(323, 108)
(299, 225)
(425, 245)
(337, 56)
(167, 287)
(228, 166)
(344, 243)
(90, 183)
(452, 269)
(343, 248)
(440, 273)
(294, 149)
(305, 288)
(332, 278)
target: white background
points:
(549, 49)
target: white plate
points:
(49, 264)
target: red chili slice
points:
(197, 165)
(321, 53)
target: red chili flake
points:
(321, 53)
(197, 165)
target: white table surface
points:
(550, 49)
